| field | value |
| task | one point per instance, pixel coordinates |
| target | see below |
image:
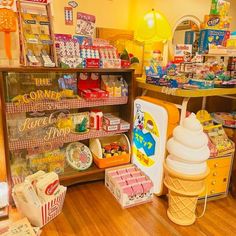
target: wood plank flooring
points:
(90, 209)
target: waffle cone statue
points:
(186, 170)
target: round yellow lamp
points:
(154, 27)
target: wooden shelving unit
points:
(120, 106)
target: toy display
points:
(42, 196)
(68, 51)
(129, 185)
(110, 151)
(186, 170)
(78, 156)
(7, 24)
(68, 83)
(215, 37)
(89, 86)
(224, 118)
(219, 143)
(154, 121)
(80, 122)
(116, 86)
(36, 35)
(193, 75)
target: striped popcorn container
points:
(40, 215)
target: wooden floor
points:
(90, 209)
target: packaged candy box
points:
(216, 37)
(129, 185)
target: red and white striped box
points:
(41, 215)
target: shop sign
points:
(38, 95)
(53, 122)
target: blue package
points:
(208, 36)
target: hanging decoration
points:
(68, 12)
(7, 23)
(73, 4)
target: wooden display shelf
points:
(12, 108)
(72, 137)
(72, 176)
(26, 69)
(187, 93)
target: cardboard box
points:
(101, 93)
(109, 128)
(129, 185)
(88, 94)
(217, 22)
(216, 37)
(110, 119)
(124, 125)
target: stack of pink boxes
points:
(129, 185)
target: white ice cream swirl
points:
(188, 147)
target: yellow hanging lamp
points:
(154, 27)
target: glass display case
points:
(46, 110)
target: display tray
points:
(187, 93)
(31, 143)
(12, 108)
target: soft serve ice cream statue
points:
(188, 148)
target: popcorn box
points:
(42, 214)
(216, 37)
(129, 185)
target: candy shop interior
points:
(117, 117)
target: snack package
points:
(25, 192)
(48, 187)
(32, 179)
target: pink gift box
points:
(130, 186)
